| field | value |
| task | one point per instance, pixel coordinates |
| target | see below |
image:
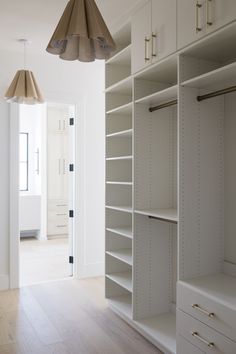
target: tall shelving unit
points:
(170, 193)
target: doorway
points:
(46, 192)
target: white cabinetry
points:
(57, 186)
(197, 18)
(153, 33)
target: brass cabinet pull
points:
(209, 344)
(208, 13)
(205, 312)
(147, 40)
(154, 36)
(198, 6)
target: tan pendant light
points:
(24, 88)
(81, 33)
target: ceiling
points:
(36, 20)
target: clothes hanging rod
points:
(216, 93)
(163, 105)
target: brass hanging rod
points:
(216, 93)
(163, 105)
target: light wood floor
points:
(65, 317)
(43, 260)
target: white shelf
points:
(125, 109)
(124, 87)
(119, 158)
(162, 214)
(122, 134)
(123, 279)
(160, 97)
(124, 255)
(219, 78)
(119, 183)
(123, 231)
(160, 330)
(122, 304)
(126, 209)
(121, 58)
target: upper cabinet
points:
(197, 18)
(153, 33)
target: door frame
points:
(14, 228)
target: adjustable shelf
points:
(122, 304)
(119, 158)
(119, 183)
(123, 279)
(221, 77)
(125, 209)
(124, 255)
(160, 97)
(124, 109)
(162, 214)
(122, 231)
(123, 87)
(121, 134)
(122, 57)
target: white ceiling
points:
(36, 20)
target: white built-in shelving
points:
(123, 231)
(124, 255)
(125, 209)
(125, 134)
(163, 214)
(122, 109)
(123, 279)
(116, 158)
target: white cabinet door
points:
(219, 13)
(163, 28)
(191, 19)
(141, 38)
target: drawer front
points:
(58, 206)
(202, 336)
(185, 347)
(57, 227)
(201, 307)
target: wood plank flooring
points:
(65, 317)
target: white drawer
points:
(185, 347)
(218, 311)
(202, 336)
(57, 206)
(59, 227)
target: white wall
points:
(70, 82)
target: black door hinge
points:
(71, 167)
(71, 213)
(71, 259)
(72, 121)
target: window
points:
(24, 162)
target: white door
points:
(141, 38)
(55, 166)
(191, 21)
(219, 13)
(163, 28)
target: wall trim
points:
(4, 282)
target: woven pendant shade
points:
(81, 33)
(24, 89)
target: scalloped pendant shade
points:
(81, 33)
(24, 89)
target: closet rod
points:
(163, 105)
(216, 93)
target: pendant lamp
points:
(24, 88)
(81, 33)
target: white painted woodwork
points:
(185, 347)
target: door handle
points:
(208, 13)
(154, 51)
(146, 55)
(198, 7)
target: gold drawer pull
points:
(205, 312)
(198, 6)
(209, 344)
(154, 36)
(147, 58)
(208, 15)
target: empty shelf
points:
(122, 134)
(215, 79)
(122, 304)
(122, 110)
(123, 279)
(123, 231)
(124, 255)
(119, 158)
(160, 330)
(160, 97)
(162, 214)
(126, 209)
(119, 183)
(121, 58)
(124, 87)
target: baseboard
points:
(4, 282)
(91, 270)
(230, 269)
